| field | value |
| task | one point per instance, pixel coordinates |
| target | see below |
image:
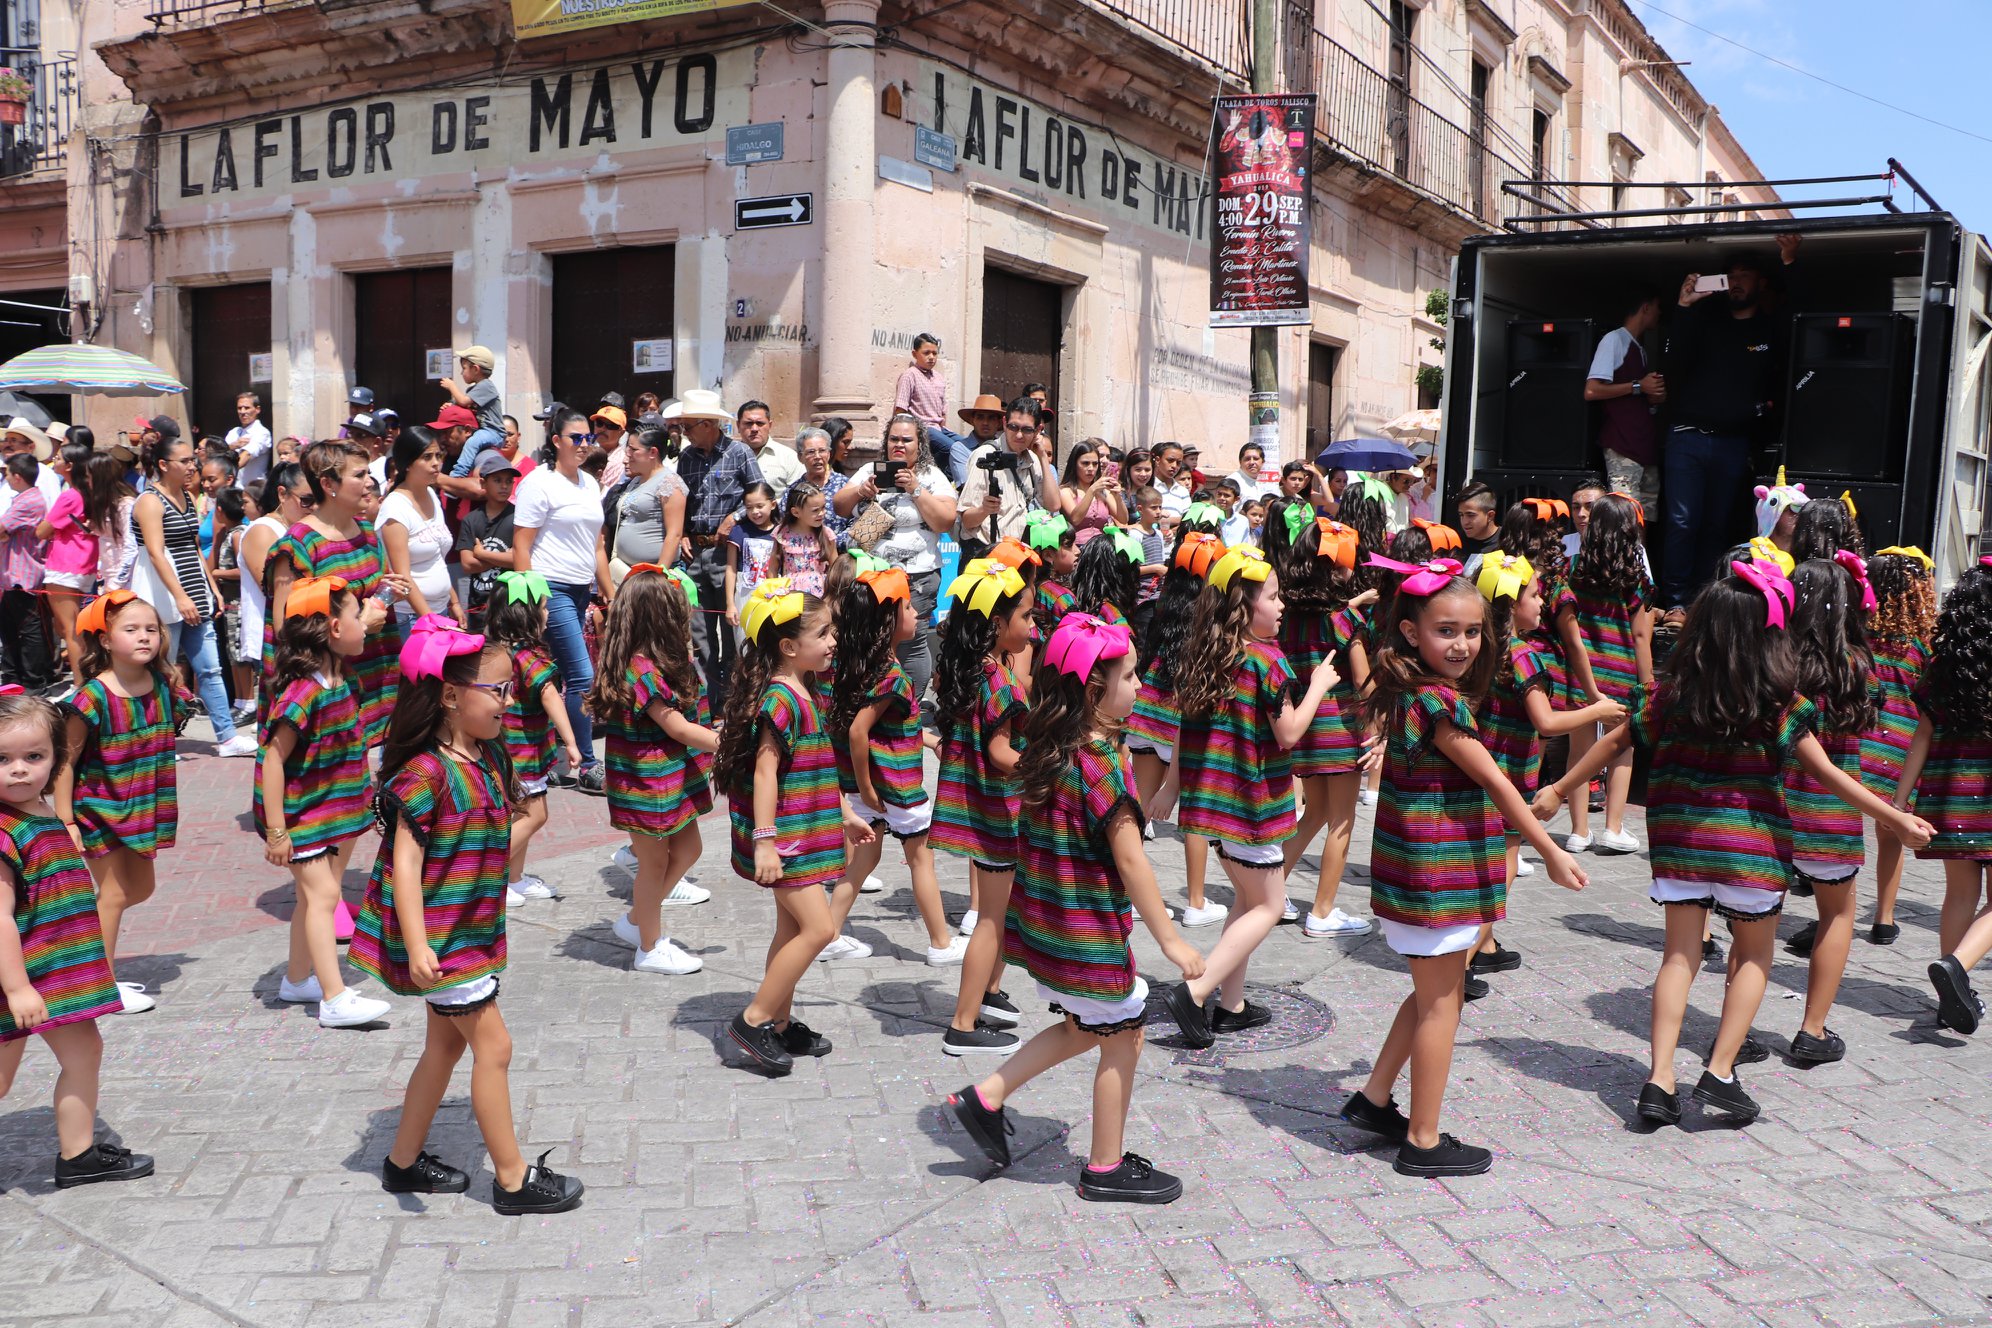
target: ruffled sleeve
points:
(534, 669)
(1424, 710)
(1108, 780)
(412, 798)
(1003, 702)
(1799, 719)
(296, 705)
(1530, 670)
(1648, 709)
(1276, 686)
(648, 684)
(88, 703)
(782, 716)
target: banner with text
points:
(1258, 256)
(541, 18)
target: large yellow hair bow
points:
(983, 583)
(771, 601)
(1504, 576)
(1242, 560)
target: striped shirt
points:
(1898, 668)
(181, 530)
(127, 788)
(1505, 727)
(1954, 793)
(1438, 858)
(361, 562)
(55, 910)
(1824, 829)
(1333, 743)
(528, 728)
(1605, 620)
(325, 779)
(975, 805)
(809, 817)
(655, 784)
(923, 393)
(1237, 782)
(1155, 720)
(897, 751)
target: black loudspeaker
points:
(1548, 423)
(1847, 408)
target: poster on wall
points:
(1258, 258)
(436, 364)
(262, 367)
(541, 18)
(650, 356)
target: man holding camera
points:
(1008, 478)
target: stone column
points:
(843, 362)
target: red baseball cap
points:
(451, 416)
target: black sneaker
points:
(1385, 1120)
(1135, 1180)
(989, 1129)
(799, 1039)
(763, 1043)
(1883, 933)
(1000, 1010)
(1728, 1098)
(1712, 955)
(100, 1162)
(1658, 1105)
(1752, 1052)
(561, 779)
(428, 1175)
(1450, 1158)
(1957, 1003)
(1227, 1021)
(591, 779)
(1191, 1018)
(1498, 960)
(544, 1190)
(1809, 1050)
(1476, 987)
(1801, 940)
(979, 1039)
(1801, 889)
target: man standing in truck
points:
(1630, 393)
(1725, 360)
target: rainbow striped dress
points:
(55, 910)
(897, 752)
(1505, 727)
(528, 728)
(1438, 858)
(1825, 832)
(655, 788)
(1715, 807)
(1069, 916)
(458, 813)
(1333, 743)
(1898, 668)
(1155, 723)
(809, 811)
(1606, 623)
(1053, 602)
(1237, 782)
(975, 808)
(325, 780)
(127, 792)
(362, 562)
(1954, 793)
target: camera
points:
(1000, 458)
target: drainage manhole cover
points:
(1298, 1019)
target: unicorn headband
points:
(1850, 560)
(683, 582)
(96, 615)
(1080, 641)
(1504, 576)
(1774, 500)
(432, 640)
(1420, 579)
(983, 583)
(309, 597)
(1777, 592)
(532, 587)
(1242, 561)
(771, 601)
(1444, 538)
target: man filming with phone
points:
(1008, 478)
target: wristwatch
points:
(1638, 388)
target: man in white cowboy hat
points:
(22, 436)
(717, 471)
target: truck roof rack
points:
(1550, 212)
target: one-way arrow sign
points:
(752, 214)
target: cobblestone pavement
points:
(844, 1196)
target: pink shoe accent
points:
(342, 921)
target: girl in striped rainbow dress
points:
(1051, 537)
(1438, 873)
(1241, 716)
(516, 620)
(1081, 874)
(1899, 634)
(311, 786)
(789, 822)
(650, 700)
(433, 923)
(119, 793)
(53, 969)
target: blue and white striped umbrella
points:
(86, 370)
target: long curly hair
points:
(1397, 671)
(1309, 583)
(968, 639)
(101, 481)
(1906, 595)
(1608, 561)
(650, 617)
(1168, 633)
(1104, 576)
(1824, 527)
(740, 729)
(1064, 712)
(1411, 545)
(1523, 534)
(20, 709)
(1829, 639)
(1730, 674)
(96, 656)
(1273, 539)
(1218, 633)
(1366, 514)
(304, 644)
(1958, 681)
(417, 723)
(865, 652)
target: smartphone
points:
(1719, 282)
(888, 474)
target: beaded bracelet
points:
(765, 832)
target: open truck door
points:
(1962, 518)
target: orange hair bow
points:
(96, 615)
(1197, 552)
(1443, 537)
(1340, 542)
(1013, 552)
(1547, 509)
(1637, 510)
(888, 585)
(312, 595)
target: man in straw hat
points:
(717, 471)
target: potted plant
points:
(15, 89)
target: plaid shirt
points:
(716, 483)
(21, 555)
(924, 394)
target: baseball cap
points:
(364, 423)
(363, 397)
(490, 461)
(480, 356)
(614, 399)
(552, 407)
(167, 426)
(612, 415)
(453, 416)
(387, 413)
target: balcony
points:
(1217, 32)
(41, 143)
(176, 13)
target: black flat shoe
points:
(1809, 1050)
(1000, 1010)
(981, 1038)
(1728, 1098)
(1251, 1016)
(1712, 953)
(1801, 940)
(1450, 1158)
(1191, 1018)
(429, 1175)
(99, 1163)
(1498, 960)
(1475, 987)
(1957, 1003)
(1135, 1180)
(1658, 1105)
(1883, 933)
(763, 1043)
(544, 1190)
(1801, 889)
(1385, 1120)
(989, 1129)
(799, 1039)
(1752, 1052)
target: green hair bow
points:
(1124, 540)
(1298, 515)
(867, 562)
(1045, 530)
(1203, 514)
(1374, 489)
(686, 584)
(528, 586)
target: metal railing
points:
(41, 142)
(1215, 31)
(177, 13)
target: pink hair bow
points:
(12, 689)
(1778, 595)
(1420, 579)
(1985, 560)
(1853, 562)
(1080, 641)
(422, 655)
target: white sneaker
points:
(1205, 916)
(239, 745)
(871, 885)
(666, 957)
(513, 899)
(624, 859)
(307, 992)
(132, 994)
(1289, 913)
(845, 947)
(968, 921)
(1167, 912)
(1367, 797)
(532, 887)
(1523, 867)
(349, 1009)
(1337, 923)
(948, 955)
(626, 932)
(685, 893)
(1617, 841)
(1148, 830)
(1576, 843)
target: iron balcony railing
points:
(41, 142)
(178, 13)
(1215, 31)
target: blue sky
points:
(1931, 57)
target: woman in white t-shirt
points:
(557, 532)
(922, 504)
(412, 529)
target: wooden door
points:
(231, 323)
(1023, 331)
(398, 318)
(606, 301)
